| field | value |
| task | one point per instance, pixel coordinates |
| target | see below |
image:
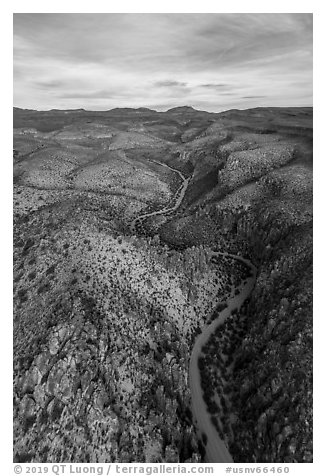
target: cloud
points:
(50, 84)
(214, 86)
(170, 84)
(89, 94)
(210, 61)
(253, 97)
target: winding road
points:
(215, 449)
(178, 197)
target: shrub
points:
(50, 270)
(32, 275)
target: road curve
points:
(180, 193)
(216, 450)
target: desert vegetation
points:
(106, 314)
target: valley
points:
(163, 285)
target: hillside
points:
(127, 225)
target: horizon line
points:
(163, 111)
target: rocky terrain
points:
(106, 314)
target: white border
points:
(169, 6)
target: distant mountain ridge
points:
(182, 109)
(178, 109)
(173, 110)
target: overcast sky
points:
(210, 61)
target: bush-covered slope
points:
(104, 321)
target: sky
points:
(211, 62)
